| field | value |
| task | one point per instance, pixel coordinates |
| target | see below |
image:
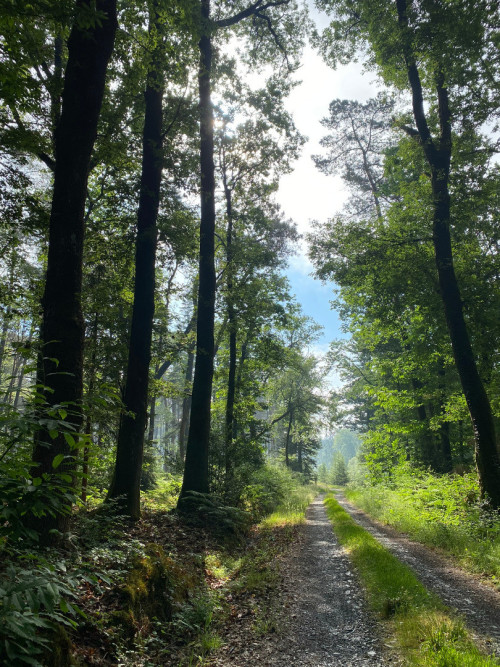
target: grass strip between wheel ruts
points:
(423, 628)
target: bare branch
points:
(255, 8)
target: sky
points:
(306, 194)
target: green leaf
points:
(57, 461)
(69, 439)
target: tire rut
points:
(476, 602)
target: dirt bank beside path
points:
(323, 619)
(478, 603)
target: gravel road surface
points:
(476, 602)
(325, 619)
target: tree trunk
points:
(16, 366)
(62, 330)
(128, 467)
(232, 326)
(3, 338)
(90, 393)
(288, 439)
(428, 449)
(152, 419)
(186, 406)
(438, 155)
(196, 467)
(444, 430)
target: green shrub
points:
(269, 487)
(36, 598)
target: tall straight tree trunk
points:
(21, 371)
(126, 481)
(288, 439)
(232, 327)
(438, 156)
(152, 419)
(196, 466)
(62, 330)
(186, 406)
(90, 393)
(3, 338)
(16, 366)
(444, 429)
(427, 445)
(152, 412)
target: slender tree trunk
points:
(196, 467)
(186, 406)
(438, 155)
(3, 339)
(427, 441)
(288, 439)
(128, 467)
(232, 326)
(90, 393)
(444, 430)
(152, 419)
(62, 330)
(86, 460)
(21, 372)
(18, 362)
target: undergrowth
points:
(441, 511)
(157, 592)
(426, 633)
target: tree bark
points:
(438, 156)
(186, 406)
(288, 439)
(90, 393)
(3, 339)
(229, 433)
(62, 330)
(125, 487)
(196, 476)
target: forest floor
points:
(319, 616)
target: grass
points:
(424, 630)
(441, 511)
(292, 510)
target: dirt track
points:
(324, 621)
(323, 618)
(477, 603)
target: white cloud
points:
(301, 263)
(306, 194)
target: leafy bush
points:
(36, 597)
(165, 493)
(212, 512)
(269, 487)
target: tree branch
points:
(253, 9)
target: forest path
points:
(323, 618)
(478, 603)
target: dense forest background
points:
(148, 335)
